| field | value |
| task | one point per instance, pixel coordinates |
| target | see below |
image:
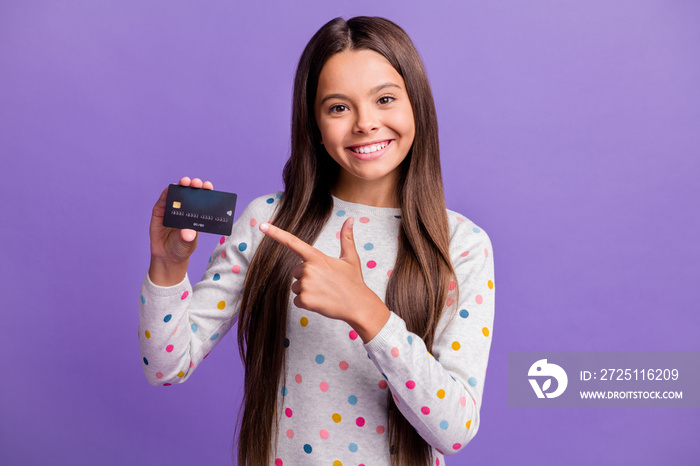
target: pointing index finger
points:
(291, 242)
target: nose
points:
(366, 121)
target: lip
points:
(370, 155)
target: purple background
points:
(570, 132)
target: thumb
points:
(348, 252)
(188, 235)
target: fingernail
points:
(264, 227)
(351, 222)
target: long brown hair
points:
(422, 270)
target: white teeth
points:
(372, 148)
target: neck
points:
(380, 193)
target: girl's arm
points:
(180, 324)
(440, 394)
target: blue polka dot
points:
(210, 259)
(353, 447)
(286, 342)
(284, 391)
(472, 381)
(167, 318)
(194, 328)
(369, 246)
(307, 448)
(464, 313)
(143, 300)
(384, 375)
(444, 425)
(242, 247)
(397, 216)
(278, 196)
(410, 340)
(214, 337)
(352, 399)
(476, 230)
(145, 361)
(183, 353)
(320, 359)
(340, 213)
(270, 200)
(216, 277)
(368, 356)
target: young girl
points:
(364, 306)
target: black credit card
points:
(199, 209)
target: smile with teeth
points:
(369, 148)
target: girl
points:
(378, 354)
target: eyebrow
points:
(374, 90)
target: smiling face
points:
(366, 122)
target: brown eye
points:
(337, 108)
(385, 99)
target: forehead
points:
(356, 72)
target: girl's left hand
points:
(333, 287)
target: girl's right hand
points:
(171, 247)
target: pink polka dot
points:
(452, 285)
(449, 302)
(236, 269)
(221, 241)
(185, 295)
(253, 222)
(437, 461)
(486, 252)
(167, 384)
(324, 386)
(364, 220)
(205, 356)
(383, 384)
(395, 398)
(460, 219)
(410, 385)
(425, 410)
(463, 401)
(297, 378)
(324, 434)
(191, 364)
(169, 348)
(290, 433)
(337, 235)
(223, 254)
(371, 264)
(390, 272)
(288, 412)
(278, 462)
(159, 375)
(395, 352)
(174, 331)
(474, 401)
(343, 365)
(353, 335)
(457, 446)
(465, 254)
(360, 421)
(479, 299)
(380, 429)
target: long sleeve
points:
(440, 394)
(179, 325)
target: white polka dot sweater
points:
(333, 403)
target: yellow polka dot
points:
(336, 417)
(455, 345)
(148, 334)
(337, 463)
(221, 305)
(304, 321)
(485, 331)
(469, 423)
(490, 285)
(441, 393)
(181, 374)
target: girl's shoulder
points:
(263, 206)
(463, 231)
